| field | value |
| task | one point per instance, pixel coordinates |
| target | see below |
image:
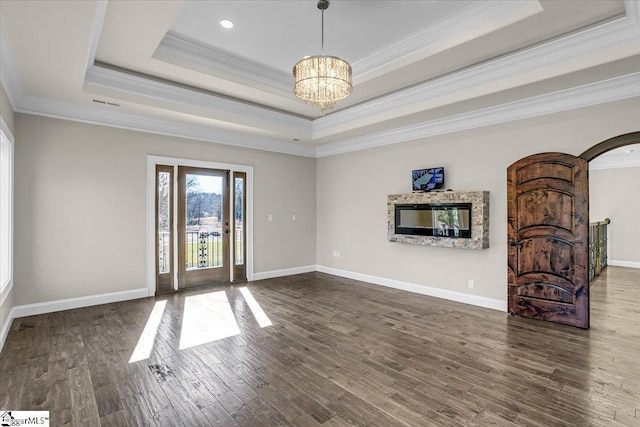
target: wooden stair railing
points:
(597, 247)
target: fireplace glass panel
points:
(440, 220)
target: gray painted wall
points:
(615, 194)
(81, 206)
(353, 189)
(72, 177)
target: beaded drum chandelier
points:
(322, 80)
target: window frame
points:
(6, 209)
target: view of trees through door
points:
(164, 228)
(210, 207)
(204, 221)
(239, 227)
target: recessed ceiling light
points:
(226, 23)
(628, 151)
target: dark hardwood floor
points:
(337, 352)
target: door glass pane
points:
(164, 221)
(239, 220)
(204, 208)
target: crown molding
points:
(8, 74)
(578, 97)
(215, 106)
(100, 116)
(96, 32)
(632, 10)
(582, 96)
(526, 66)
(608, 36)
(7, 132)
(478, 19)
(206, 59)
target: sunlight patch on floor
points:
(207, 317)
(258, 312)
(148, 337)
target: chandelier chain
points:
(322, 34)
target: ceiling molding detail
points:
(598, 41)
(96, 32)
(519, 68)
(102, 116)
(8, 74)
(614, 164)
(215, 106)
(480, 18)
(206, 59)
(617, 158)
(482, 78)
(582, 96)
(578, 97)
(7, 133)
(632, 10)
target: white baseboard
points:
(66, 304)
(618, 263)
(79, 302)
(5, 329)
(494, 304)
(284, 272)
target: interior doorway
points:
(199, 224)
(614, 171)
(548, 280)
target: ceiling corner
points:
(8, 74)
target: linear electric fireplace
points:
(444, 218)
(434, 219)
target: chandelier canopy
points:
(322, 80)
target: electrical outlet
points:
(269, 217)
(472, 284)
(336, 253)
(293, 217)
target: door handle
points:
(512, 243)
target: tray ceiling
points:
(171, 66)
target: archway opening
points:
(611, 144)
(614, 198)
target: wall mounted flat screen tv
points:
(428, 179)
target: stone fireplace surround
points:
(479, 218)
